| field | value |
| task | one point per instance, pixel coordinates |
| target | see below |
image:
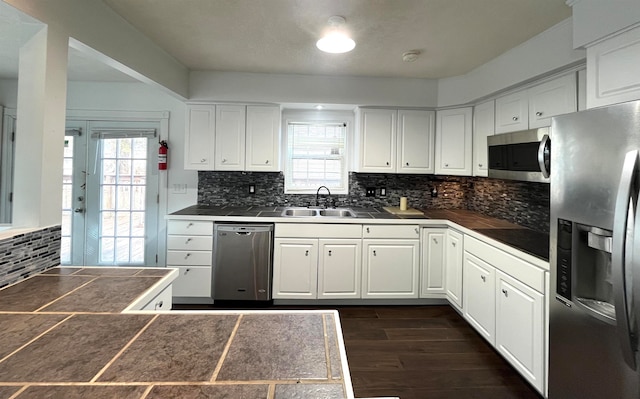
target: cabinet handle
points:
(480, 165)
(368, 230)
(187, 255)
(187, 240)
(267, 161)
(306, 253)
(505, 292)
(329, 252)
(435, 240)
(453, 244)
(224, 160)
(159, 305)
(203, 160)
(417, 231)
(484, 279)
(515, 118)
(189, 225)
(538, 113)
(374, 253)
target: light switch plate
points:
(370, 191)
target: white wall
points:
(549, 51)
(92, 23)
(274, 88)
(141, 97)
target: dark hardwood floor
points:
(418, 352)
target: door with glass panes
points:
(110, 194)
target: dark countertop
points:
(526, 240)
(63, 336)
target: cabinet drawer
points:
(190, 227)
(162, 302)
(190, 243)
(396, 231)
(193, 282)
(509, 264)
(317, 230)
(189, 258)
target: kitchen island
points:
(75, 333)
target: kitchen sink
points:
(306, 212)
(337, 213)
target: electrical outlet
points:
(434, 192)
(252, 189)
(370, 191)
(383, 191)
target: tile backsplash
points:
(23, 255)
(523, 203)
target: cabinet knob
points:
(417, 231)
(187, 255)
(187, 240)
(266, 162)
(446, 165)
(159, 304)
(306, 253)
(538, 113)
(374, 253)
(329, 252)
(453, 244)
(387, 163)
(435, 240)
(203, 160)
(515, 118)
(187, 271)
(224, 160)
(189, 225)
(505, 292)
(484, 279)
(368, 230)
(407, 163)
(480, 165)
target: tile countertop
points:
(64, 335)
(525, 240)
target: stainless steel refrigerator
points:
(595, 254)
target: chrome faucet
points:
(318, 195)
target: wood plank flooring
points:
(418, 352)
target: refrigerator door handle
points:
(619, 254)
(544, 151)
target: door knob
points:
(79, 210)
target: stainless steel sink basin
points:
(300, 212)
(306, 212)
(337, 213)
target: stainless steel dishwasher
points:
(242, 261)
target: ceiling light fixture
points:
(410, 56)
(336, 41)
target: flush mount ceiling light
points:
(410, 56)
(336, 41)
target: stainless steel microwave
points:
(523, 155)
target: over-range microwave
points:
(523, 155)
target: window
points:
(316, 156)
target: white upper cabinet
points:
(263, 138)
(533, 108)
(512, 112)
(230, 137)
(483, 126)
(416, 141)
(555, 97)
(453, 141)
(199, 137)
(377, 140)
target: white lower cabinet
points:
(295, 268)
(339, 268)
(192, 281)
(453, 267)
(507, 311)
(432, 269)
(479, 296)
(162, 301)
(520, 328)
(390, 269)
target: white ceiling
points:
(278, 36)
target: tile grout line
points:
(36, 338)
(223, 356)
(67, 294)
(271, 393)
(146, 392)
(167, 383)
(131, 341)
(19, 392)
(327, 356)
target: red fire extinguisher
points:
(162, 155)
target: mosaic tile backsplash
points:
(523, 203)
(26, 254)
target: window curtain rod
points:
(123, 133)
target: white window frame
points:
(320, 117)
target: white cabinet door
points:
(200, 137)
(390, 269)
(479, 296)
(230, 137)
(512, 112)
(295, 268)
(416, 141)
(555, 97)
(339, 266)
(483, 126)
(433, 263)
(453, 141)
(377, 140)
(453, 258)
(520, 328)
(193, 281)
(263, 139)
